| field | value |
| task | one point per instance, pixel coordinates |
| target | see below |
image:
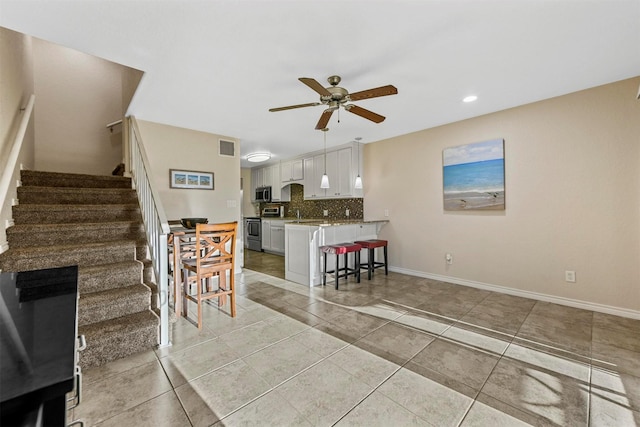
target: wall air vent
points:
(227, 148)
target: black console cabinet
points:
(38, 332)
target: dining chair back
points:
(215, 247)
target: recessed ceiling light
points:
(258, 157)
(469, 98)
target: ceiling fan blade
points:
(362, 112)
(291, 107)
(324, 119)
(374, 93)
(313, 84)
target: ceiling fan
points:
(335, 96)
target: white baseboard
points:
(601, 308)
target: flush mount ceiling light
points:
(258, 157)
(469, 98)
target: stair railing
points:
(10, 166)
(155, 223)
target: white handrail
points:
(155, 223)
(116, 123)
(111, 125)
(9, 167)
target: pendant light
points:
(358, 183)
(324, 182)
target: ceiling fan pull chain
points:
(338, 114)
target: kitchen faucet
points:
(298, 213)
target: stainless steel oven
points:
(254, 235)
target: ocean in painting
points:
(474, 185)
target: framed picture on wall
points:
(190, 179)
(473, 176)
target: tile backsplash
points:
(314, 208)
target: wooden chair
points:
(187, 251)
(214, 256)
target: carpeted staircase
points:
(94, 222)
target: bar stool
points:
(341, 249)
(372, 264)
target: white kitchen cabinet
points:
(273, 236)
(292, 171)
(313, 171)
(341, 167)
(256, 181)
(266, 234)
(273, 174)
(277, 237)
(340, 171)
(269, 176)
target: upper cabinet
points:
(313, 170)
(269, 176)
(340, 171)
(292, 171)
(343, 164)
(341, 167)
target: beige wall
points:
(248, 208)
(16, 86)
(572, 167)
(170, 147)
(78, 95)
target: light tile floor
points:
(394, 351)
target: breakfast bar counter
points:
(303, 241)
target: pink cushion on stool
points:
(341, 248)
(373, 243)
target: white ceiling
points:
(218, 66)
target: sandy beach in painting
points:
(473, 176)
(474, 200)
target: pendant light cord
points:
(325, 149)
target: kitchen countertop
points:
(333, 222)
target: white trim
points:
(585, 305)
(4, 246)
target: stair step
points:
(147, 269)
(117, 338)
(111, 303)
(58, 214)
(58, 179)
(76, 196)
(27, 235)
(154, 294)
(35, 258)
(93, 222)
(98, 278)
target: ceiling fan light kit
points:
(335, 96)
(258, 157)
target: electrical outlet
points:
(449, 258)
(325, 212)
(346, 212)
(386, 212)
(570, 276)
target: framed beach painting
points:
(473, 176)
(190, 179)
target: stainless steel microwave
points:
(263, 194)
